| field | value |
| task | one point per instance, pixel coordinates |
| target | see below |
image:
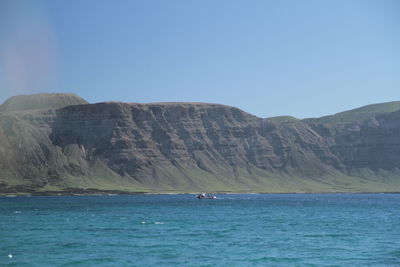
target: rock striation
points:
(187, 147)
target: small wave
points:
(276, 259)
(327, 235)
(73, 245)
(158, 223)
(395, 253)
(88, 262)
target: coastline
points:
(96, 192)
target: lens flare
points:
(28, 56)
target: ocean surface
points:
(180, 230)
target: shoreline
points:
(119, 193)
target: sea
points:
(180, 230)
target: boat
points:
(205, 196)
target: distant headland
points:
(61, 144)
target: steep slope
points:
(186, 147)
(372, 144)
(40, 101)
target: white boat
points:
(205, 196)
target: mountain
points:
(191, 147)
(40, 101)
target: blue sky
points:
(300, 58)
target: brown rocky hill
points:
(187, 147)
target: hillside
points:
(358, 114)
(40, 101)
(190, 147)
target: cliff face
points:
(372, 144)
(191, 147)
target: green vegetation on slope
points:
(183, 147)
(358, 114)
(40, 101)
(283, 119)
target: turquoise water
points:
(234, 230)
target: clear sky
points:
(302, 58)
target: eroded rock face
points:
(373, 144)
(185, 146)
(134, 137)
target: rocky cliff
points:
(186, 147)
